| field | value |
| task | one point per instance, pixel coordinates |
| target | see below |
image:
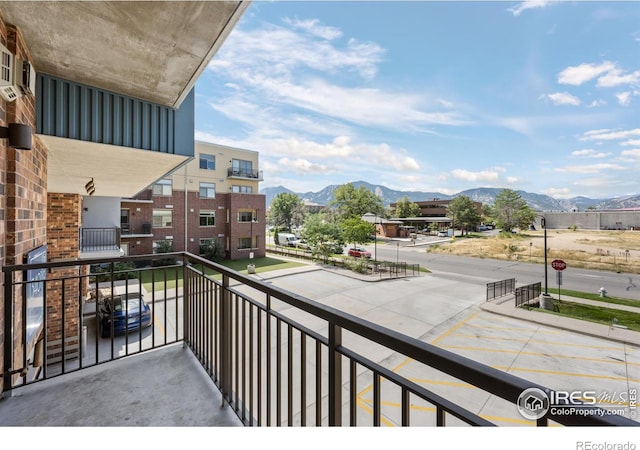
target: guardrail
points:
(525, 294)
(278, 358)
(500, 288)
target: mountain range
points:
(539, 202)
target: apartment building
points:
(213, 197)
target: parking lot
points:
(446, 313)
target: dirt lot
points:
(606, 250)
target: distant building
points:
(215, 196)
(431, 212)
(613, 219)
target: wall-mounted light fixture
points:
(90, 187)
(19, 135)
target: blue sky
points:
(432, 96)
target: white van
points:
(287, 239)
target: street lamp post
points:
(251, 268)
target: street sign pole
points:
(559, 281)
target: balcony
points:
(100, 243)
(272, 357)
(244, 174)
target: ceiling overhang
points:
(151, 50)
(148, 50)
(116, 171)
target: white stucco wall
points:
(100, 212)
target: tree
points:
(511, 211)
(322, 234)
(405, 208)
(286, 210)
(350, 202)
(213, 250)
(356, 230)
(463, 213)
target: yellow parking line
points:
(535, 330)
(544, 342)
(568, 374)
(157, 323)
(552, 355)
(454, 328)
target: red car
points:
(359, 252)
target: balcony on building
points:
(244, 174)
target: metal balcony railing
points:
(245, 173)
(99, 239)
(279, 359)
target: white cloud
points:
(301, 166)
(564, 98)
(607, 73)
(557, 192)
(576, 75)
(278, 67)
(631, 142)
(616, 77)
(528, 4)
(590, 169)
(608, 135)
(631, 154)
(484, 175)
(596, 103)
(624, 98)
(314, 27)
(589, 153)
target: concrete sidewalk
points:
(506, 306)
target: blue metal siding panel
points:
(71, 110)
(184, 136)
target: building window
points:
(244, 243)
(162, 218)
(207, 218)
(242, 189)
(208, 162)
(207, 190)
(203, 245)
(163, 187)
(242, 168)
(124, 221)
(246, 215)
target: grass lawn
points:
(590, 296)
(596, 314)
(174, 275)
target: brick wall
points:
(23, 188)
(226, 207)
(63, 233)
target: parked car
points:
(443, 234)
(127, 313)
(359, 252)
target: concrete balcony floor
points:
(164, 387)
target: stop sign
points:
(558, 264)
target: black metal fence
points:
(525, 294)
(278, 358)
(500, 288)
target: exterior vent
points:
(25, 77)
(8, 89)
(17, 77)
